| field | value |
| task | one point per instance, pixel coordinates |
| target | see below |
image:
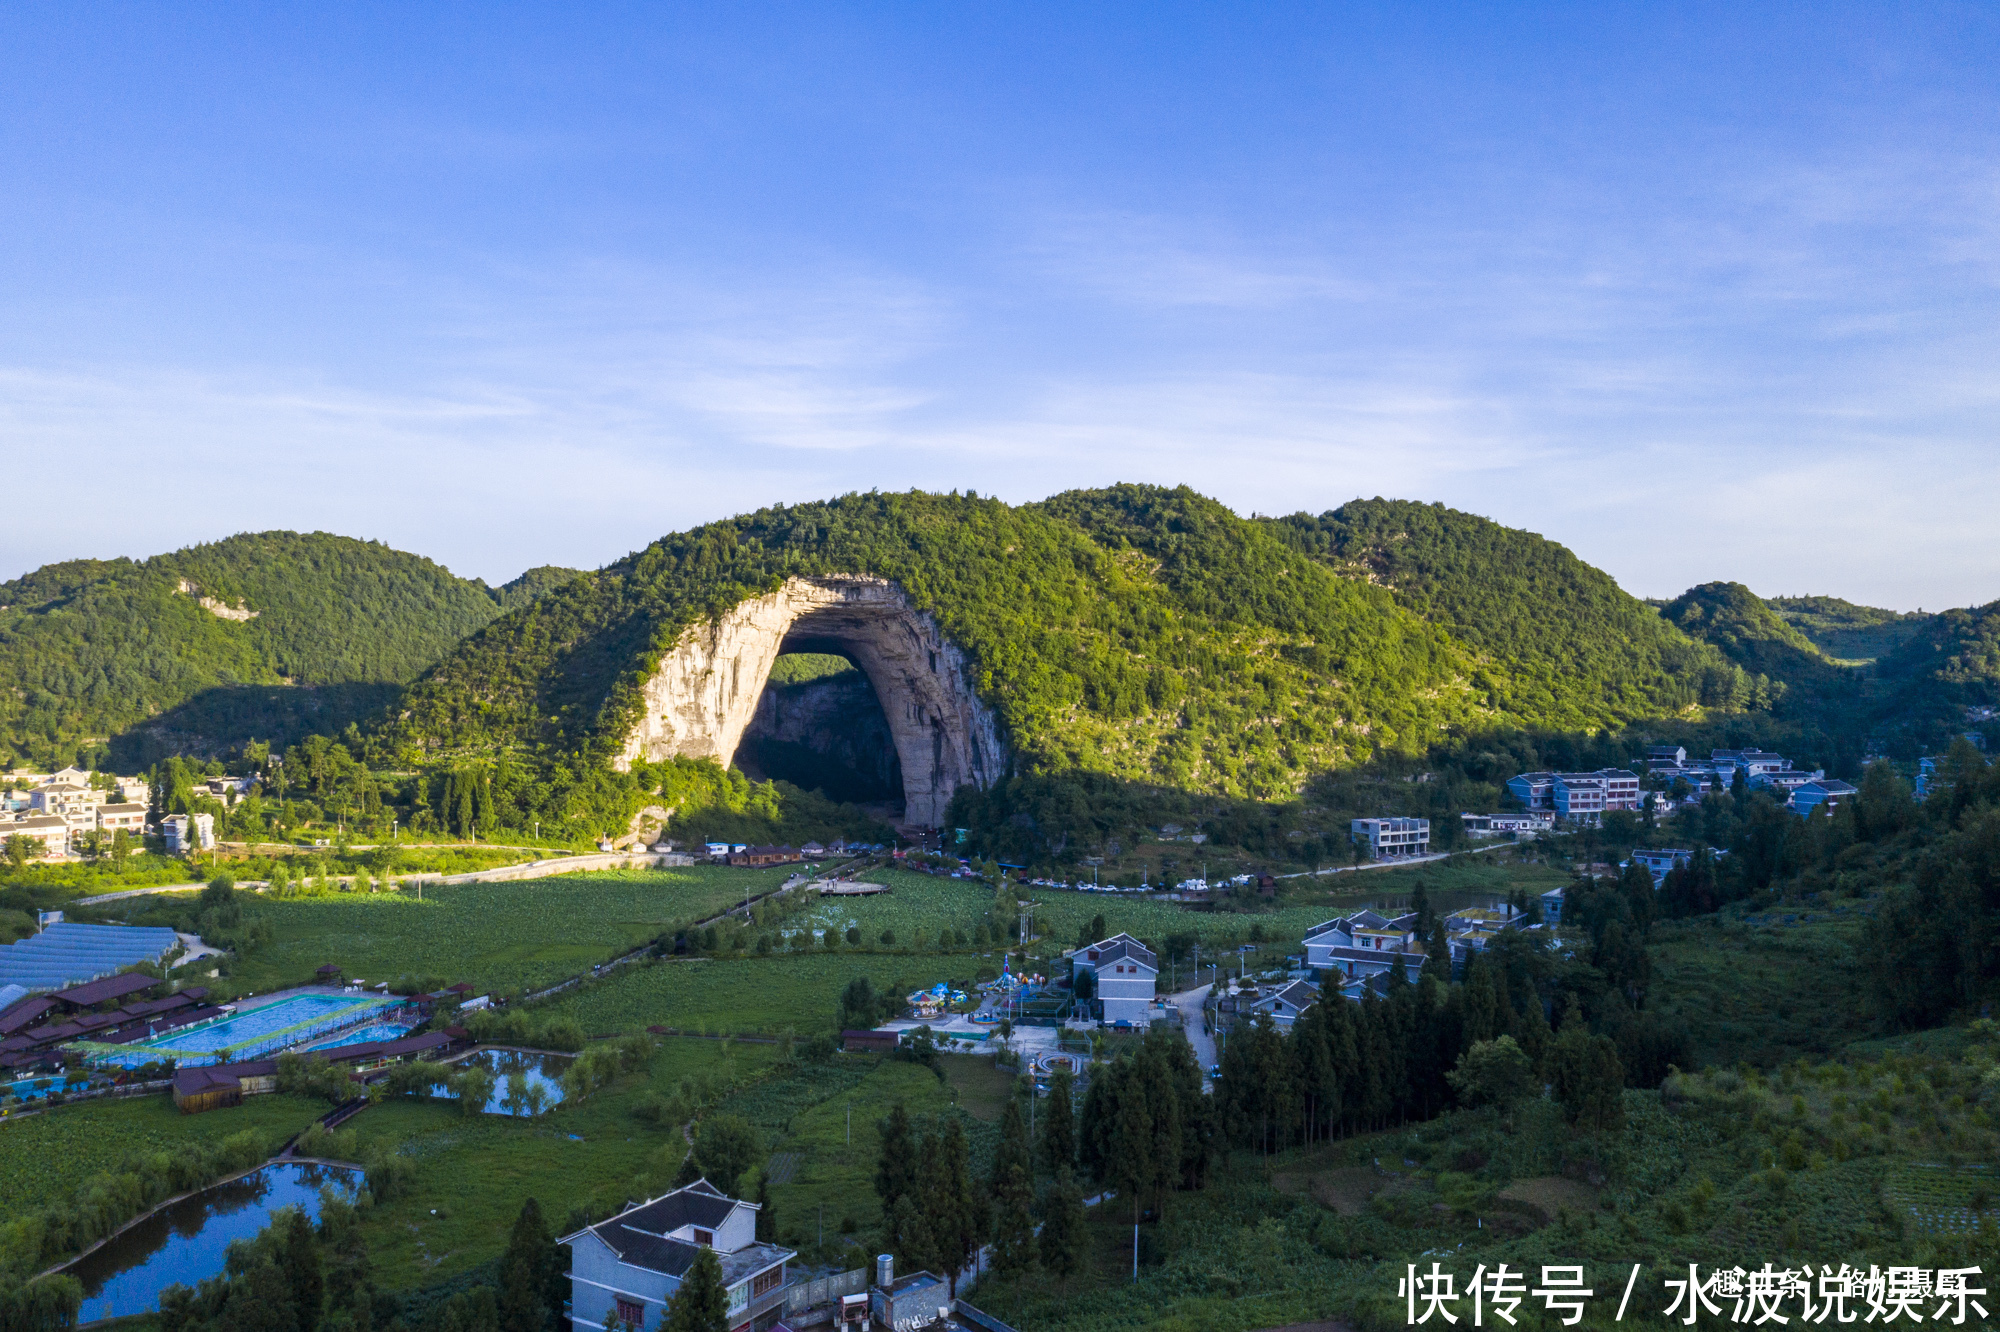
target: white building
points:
(1125, 972)
(188, 832)
(1501, 825)
(50, 831)
(1393, 839)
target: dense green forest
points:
(1145, 633)
(1561, 644)
(268, 635)
(1845, 631)
(1782, 668)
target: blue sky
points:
(1700, 292)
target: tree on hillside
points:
(298, 1257)
(702, 1303)
(1061, 1240)
(896, 1165)
(767, 1220)
(725, 1145)
(1013, 1191)
(1494, 1073)
(531, 1274)
(954, 1211)
(1058, 1145)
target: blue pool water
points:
(374, 1031)
(256, 1032)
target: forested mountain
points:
(1144, 632)
(1952, 662)
(205, 644)
(1139, 632)
(1560, 643)
(1847, 632)
(1739, 624)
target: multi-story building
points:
(121, 818)
(1579, 796)
(188, 832)
(1393, 839)
(52, 832)
(629, 1267)
(1124, 972)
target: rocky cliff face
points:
(705, 694)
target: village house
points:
(1522, 826)
(1124, 972)
(763, 855)
(1393, 839)
(1284, 1005)
(629, 1267)
(188, 832)
(1578, 797)
(1660, 863)
(1828, 791)
(1363, 945)
(121, 818)
(52, 832)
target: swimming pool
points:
(246, 1035)
(373, 1031)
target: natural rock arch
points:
(702, 698)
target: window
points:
(770, 1280)
(705, 1238)
(631, 1311)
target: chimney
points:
(885, 1270)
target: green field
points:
(502, 937)
(1761, 990)
(746, 994)
(45, 1158)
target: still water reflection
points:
(188, 1241)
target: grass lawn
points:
(45, 1158)
(502, 937)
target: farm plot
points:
(45, 1158)
(504, 937)
(800, 991)
(916, 911)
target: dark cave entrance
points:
(819, 725)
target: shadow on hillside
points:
(217, 721)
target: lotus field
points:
(503, 937)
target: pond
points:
(188, 1241)
(523, 1083)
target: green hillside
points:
(1952, 662)
(1140, 632)
(1739, 624)
(1560, 643)
(270, 634)
(1847, 632)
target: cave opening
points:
(819, 724)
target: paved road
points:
(1189, 1003)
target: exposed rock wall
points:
(703, 697)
